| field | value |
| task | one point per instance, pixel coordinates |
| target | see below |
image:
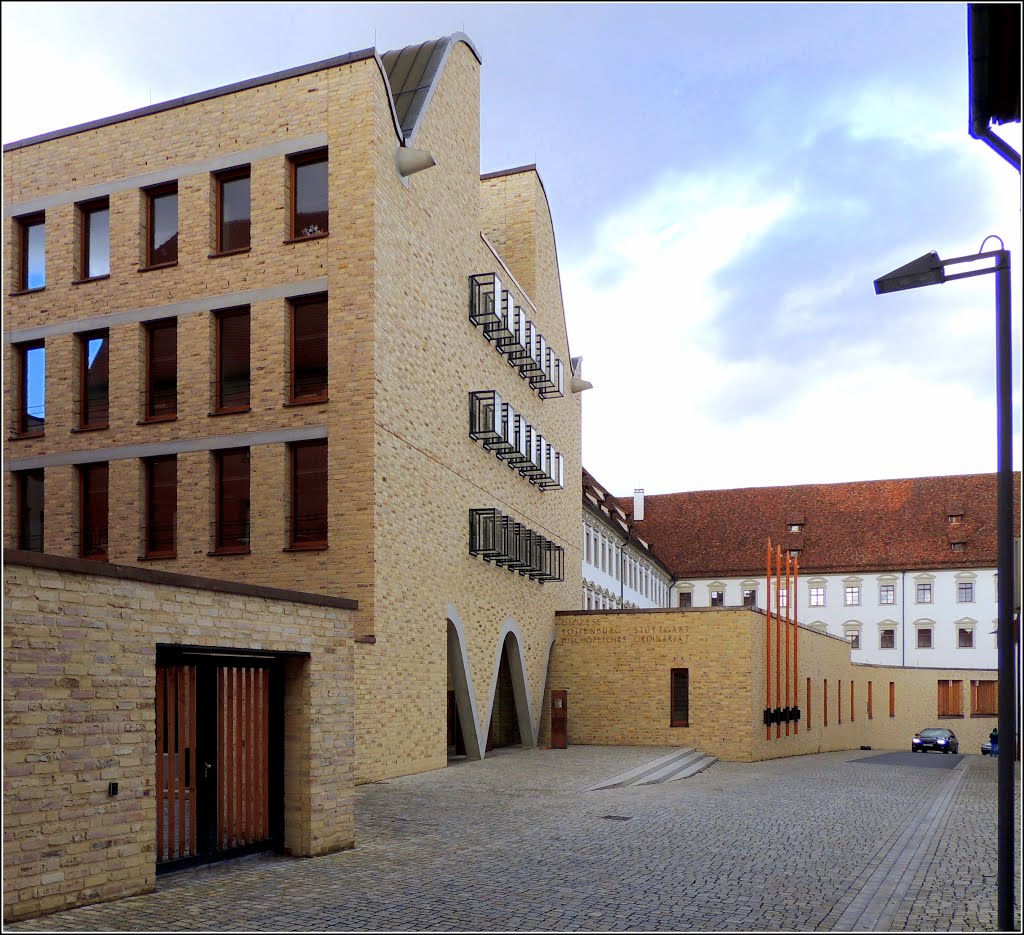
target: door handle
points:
(206, 770)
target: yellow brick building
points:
(283, 334)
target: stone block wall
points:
(80, 645)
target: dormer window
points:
(955, 519)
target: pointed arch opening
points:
(463, 724)
(511, 721)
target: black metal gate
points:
(219, 740)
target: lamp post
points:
(929, 270)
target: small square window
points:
(965, 592)
(793, 553)
(955, 519)
(888, 639)
(924, 594)
(965, 637)
(958, 546)
(817, 595)
(887, 594)
(32, 251)
(924, 637)
(309, 194)
(717, 598)
(851, 595)
(795, 527)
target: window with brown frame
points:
(853, 692)
(924, 637)
(30, 509)
(161, 369)
(308, 349)
(161, 506)
(965, 637)
(309, 495)
(892, 699)
(94, 387)
(31, 388)
(93, 481)
(680, 698)
(309, 194)
(686, 599)
(839, 701)
(94, 248)
(32, 251)
(807, 712)
(233, 210)
(232, 527)
(984, 697)
(162, 225)
(951, 698)
(824, 703)
(718, 598)
(233, 374)
(870, 710)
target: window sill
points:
(82, 282)
(21, 436)
(313, 400)
(152, 419)
(157, 557)
(95, 558)
(149, 269)
(680, 724)
(217, 256)
(28, 291)
(312, 547)
(228, 412)
(310, 237)
(993, 714)
(222, 552)
(89, 428)
(950, 717)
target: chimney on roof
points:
(638, 504)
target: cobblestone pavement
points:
(510, 843)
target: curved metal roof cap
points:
(413, 74)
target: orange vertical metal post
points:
(768, 637)
(789, 601)
(796, 639)
(778, 637)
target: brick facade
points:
(617, 666)
(80, 644)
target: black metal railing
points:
(498, 538)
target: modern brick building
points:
(283, 333)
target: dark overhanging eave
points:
(298, 70)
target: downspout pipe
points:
(903, 616)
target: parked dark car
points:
(935, 738)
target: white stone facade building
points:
(619, 569)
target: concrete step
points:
(630, 776)
(670, 770)
(694, 767)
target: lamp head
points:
(924, 271)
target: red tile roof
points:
(885, 525)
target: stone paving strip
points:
(874, 905)
(514, 843)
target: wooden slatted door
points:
(243, 756)
(177, 798)
(219, 740)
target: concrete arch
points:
(465, 696)
(528, 726)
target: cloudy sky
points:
(726, 182)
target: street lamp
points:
(929, 270)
